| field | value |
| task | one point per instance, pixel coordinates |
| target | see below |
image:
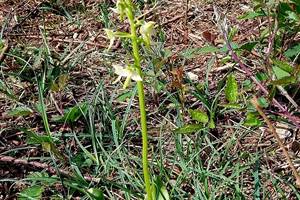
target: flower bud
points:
(146, 32)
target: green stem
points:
(141, 94)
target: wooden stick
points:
(43, 166)
(272, 129)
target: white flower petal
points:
(147, 28)
(136, 77)
(122, 71)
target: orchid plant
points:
(125, 9)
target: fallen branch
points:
(95, 44)
(273, 131)
(51, 170)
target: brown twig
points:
(66, 40)
(223, 28)
(272, 129)
(173, 19)
(186, 33)
(9, 159)
(268, 59)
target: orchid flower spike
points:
(128, 72)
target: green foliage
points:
(293, 51)
(252, 15)
(187, 129)
(252, 120)
(231, 89)
(159, 190)
(20, 111)
(98, 136)
(263, 102)
(96, 194)
(72, 114)
(32, 193)
(249, 46)
(193, 52)
(199, 116)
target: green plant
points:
(125, 8)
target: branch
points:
(272, 129)
(224, 29)
(51, 170)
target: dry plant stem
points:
(285, 93)
(234, 56)
(271, 40)
(140, 86)
(272, 129)
(267, 60)
(223, 28)
(51, 170)
(66, 40)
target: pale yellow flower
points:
(128, 72)
(146, 32)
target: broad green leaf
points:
(233, 45)
(249, 46)
(285, 66)
(252, 15)
(20, 111)
(285, 80)
(2, 44)
(46, 146)
(247, 85)
(263, 102)
(34, 138)
(231, 89)
(279, 73)
(193, 52)
(31, 193)
(199, 115)
(190, 128)
(96, 193)
(124, 96)
(159, 190)
(252, 120)
(232, 106)
(261, 76)
(211, 123)
(293, 16)
(293, 51)
(72, 114)
(122, 34)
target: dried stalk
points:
(273, 131)
(51, 170)
(224, 29)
